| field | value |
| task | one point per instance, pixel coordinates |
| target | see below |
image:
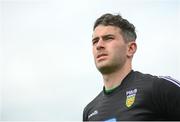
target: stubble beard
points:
(108, 67)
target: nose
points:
(100, 45)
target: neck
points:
(114, 79)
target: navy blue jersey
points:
(139, 97)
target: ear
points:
(132, 47)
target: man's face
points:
(109, 49)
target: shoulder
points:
(142, 76)
(169, 81)
(166, 86)
(166, 94)
(156, 80)
(156, 84)
(91, 105)
(144, 79)
(94, 101)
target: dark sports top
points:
(139, 97)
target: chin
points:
(104, 68)
(101, 64)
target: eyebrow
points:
(108, 35)
(104, 36)
(96, 38)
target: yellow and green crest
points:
(130, 97)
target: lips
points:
(99, 56)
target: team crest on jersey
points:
(130, 97)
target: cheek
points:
(94, 52)
(120, 51)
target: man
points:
(127, 94)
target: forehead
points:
(102, 30)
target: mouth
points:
(101, 56)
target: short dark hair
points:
(128, 29)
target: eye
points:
(108, 38)
(95, 41)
